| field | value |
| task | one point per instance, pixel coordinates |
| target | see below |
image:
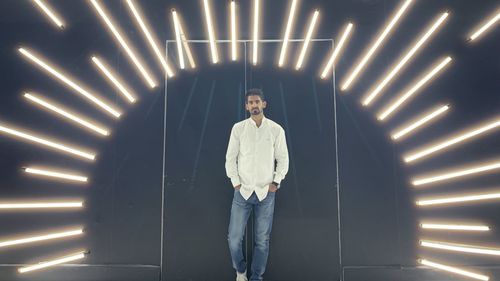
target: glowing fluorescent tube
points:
(307, 41)
(457, 173)
(486, 26)
(461, 248)
(46, 264)
(70, 83)
(255, 51)
(234, 38)
(181, 38)
(66, 114)
(454, 270)
(149, 37)
(211, 32)
(115, 81)
(55, 174)
(288, 30)
(124, 44)
(460, 227)
(353, 74)
(46, 237)
(337, 50)
(180, 54)
(404, 60)
(48, 143)
(458, 199)
(419, 123)
(452, 141)
(45, 8)
(40, 205)
(402, 99)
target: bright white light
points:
(182, 42)
(255, 51)
(338, 48)
(70, 83)
(124, 44)
(419, 123)
(46, 264)
(48, 143)
(288, 30)
(55, 174)
(402, 99)
(404, 60)
(234, 38)
(68, 115)
(458, 199)
(454, 270)
(51, 236)
(40, 205)
(461, 227)
(211, 32)
(460, 248)
(45, 8)
(452, 141)
(307, 41)
(115, 81)
(375, 45)
(149, 37)
(457, 173)
(486, 26)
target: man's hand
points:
(273, 187)
(238, 187)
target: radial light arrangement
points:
(458, 227)
(56, 174)
(109, 23)
(108, 73)
(456, 199)
(50, 14)
(234, 35)
(111, 110)
(33, 239)
(255, 51)
(489, 24)
(40, 205)
(149, 37)
(460, 248)
(359, 67)
(457, 173)
(182, 42)
(454, 270)
(331, 62)
(395, 70)
(307, 41)
(211, 32)
(288, 30)
(415, 124)
(50, 263)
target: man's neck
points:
(258, 119)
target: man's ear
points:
(264, 104)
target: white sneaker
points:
(241, 276)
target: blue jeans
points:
(240, 212)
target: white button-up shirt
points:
(251, 156)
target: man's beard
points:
(255, 111)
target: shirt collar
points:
(264, 120)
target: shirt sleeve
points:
(281, 155)
(233, 150)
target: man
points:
(254, 146)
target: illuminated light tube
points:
(211, 32)
(33, 239)
(48, 143)
(486, 26)
(454, 270)
(70, 83)
(457, 173)
(452, 141)
(68, 115)
(113, 79)
(353, 74)
(458, 199)
(461, 227)
(404, 60)
(460, 248)
(399, 102)
(45, 8)
(181, 38)
(307, 41)
(55, 174)
(288, 30)
(40, 205)
(46, 264)
(150, 39)
(338, 48)
(234, 38)
(124, 44)
(419, 123)
(255, 50)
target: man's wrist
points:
(276, 184)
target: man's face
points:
(255, 105)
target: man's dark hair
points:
(255, 92)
